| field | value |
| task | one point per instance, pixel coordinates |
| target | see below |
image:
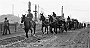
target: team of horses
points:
(51, 25)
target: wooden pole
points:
(35, 12)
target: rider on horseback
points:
(68, 19)
(54, 17)
(30, 16)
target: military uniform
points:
(54, 17)
(6, 26)
(68, 19)
(30, 16)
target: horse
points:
(64, 26)
(72, 24)
(80, 25)
(28, 25)
(6, 27)
(45, 23)
(57, 22)
(75, 23)
(68, 23)
(52, 24)
(61, 24)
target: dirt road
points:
(71, 39)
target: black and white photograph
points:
(44, 24)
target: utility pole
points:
(29, 7)
(12, 9)
(62, 14)
(35, 12)
(61, 10)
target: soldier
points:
(68, 18)
(30, 16)
(54, 17)
(54, 14)
(6, 26)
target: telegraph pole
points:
(12, 9)
(61, 10)
(29, 7)
(35, 12)
(62, 14)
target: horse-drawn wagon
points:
(58, 23)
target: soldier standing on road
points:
(6, 26)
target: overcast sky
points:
(75, 8)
